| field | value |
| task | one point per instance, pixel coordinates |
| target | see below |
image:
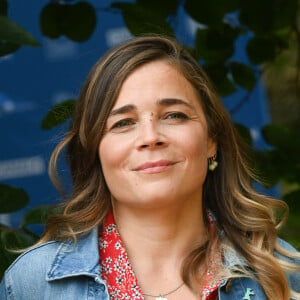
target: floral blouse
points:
(117, 271)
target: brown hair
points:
(246, 218)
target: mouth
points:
(154, 167)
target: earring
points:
(212, 163)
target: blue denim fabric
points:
(56, 271)
(66, 271)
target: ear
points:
(212, 147)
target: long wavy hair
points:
(245, 220)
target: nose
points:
(149, 136)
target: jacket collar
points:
(82, 258)
(73, 259)
(233, 258)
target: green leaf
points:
(13, 239)
(7, 48)
(282, 137)
(4, 261)
(39, 215)
(50, 19)
(268, 16)
(290, 230)
(225, 87)
(59, 114)
(261, 49)
(243, 75)
(14, 33)
(215, 45)
(12, 199)
(76, 21)
(210, 12)
(140, 20)
(219, 76)
(79, 21)
(293, 200)
(283, 161)
(3, 7)
(267, 164)
(164, 8)
(244, 132)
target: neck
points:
(158, 240)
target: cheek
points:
(198, 154)
(195, 144)
(112, 153)
(108, 161)
(106, 155)
(114, 161)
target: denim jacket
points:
(62, 270)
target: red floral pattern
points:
(117, 272)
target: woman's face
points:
(156, 145)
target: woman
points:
(162, 205)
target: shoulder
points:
(48, 256)
(292, 277)
(241, 288)
(292, 255)
(285, 245)
(30, 266)
(232, 258)
(37, 258)
(52, 268)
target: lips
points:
(154, 167)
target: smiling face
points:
(156, 144)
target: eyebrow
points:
(161, 102)
(123, 110)
(173, 101)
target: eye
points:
(123, 123)
(176, 116)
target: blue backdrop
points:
(32, 80)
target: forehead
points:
(156, 80)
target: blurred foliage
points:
(58, 114)
(269, 24)
(75, 21)
(11, 200)
(140, 19)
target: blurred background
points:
(250, 50)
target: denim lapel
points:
(74, 259)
